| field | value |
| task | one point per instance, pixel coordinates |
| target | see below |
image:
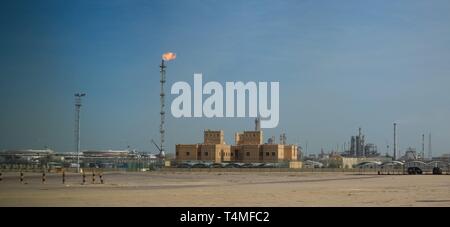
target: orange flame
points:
(169, 56)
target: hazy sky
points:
(341, 65)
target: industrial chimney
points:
(257, 124)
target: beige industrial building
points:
(212, 149)
(338, 161)
(248, 147)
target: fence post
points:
(93, 177)
(21, 177)
(101, 177)
(2, 178)
(63, 177)
(84, 178)
(43, 177)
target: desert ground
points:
(285, 189)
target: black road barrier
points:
(43, 177)
(21, 177)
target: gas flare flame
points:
(169, 56)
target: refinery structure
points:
(249, 149)
(359, 147)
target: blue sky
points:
(341, 65)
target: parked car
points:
(437, 170)
(414, 170)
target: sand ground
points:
(227, 189)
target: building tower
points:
(78, 97)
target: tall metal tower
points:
(423, 147)
(162, 113)
(306, 149)
(395, 141)
(165, 57)
(430, 154)
(78, 97)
